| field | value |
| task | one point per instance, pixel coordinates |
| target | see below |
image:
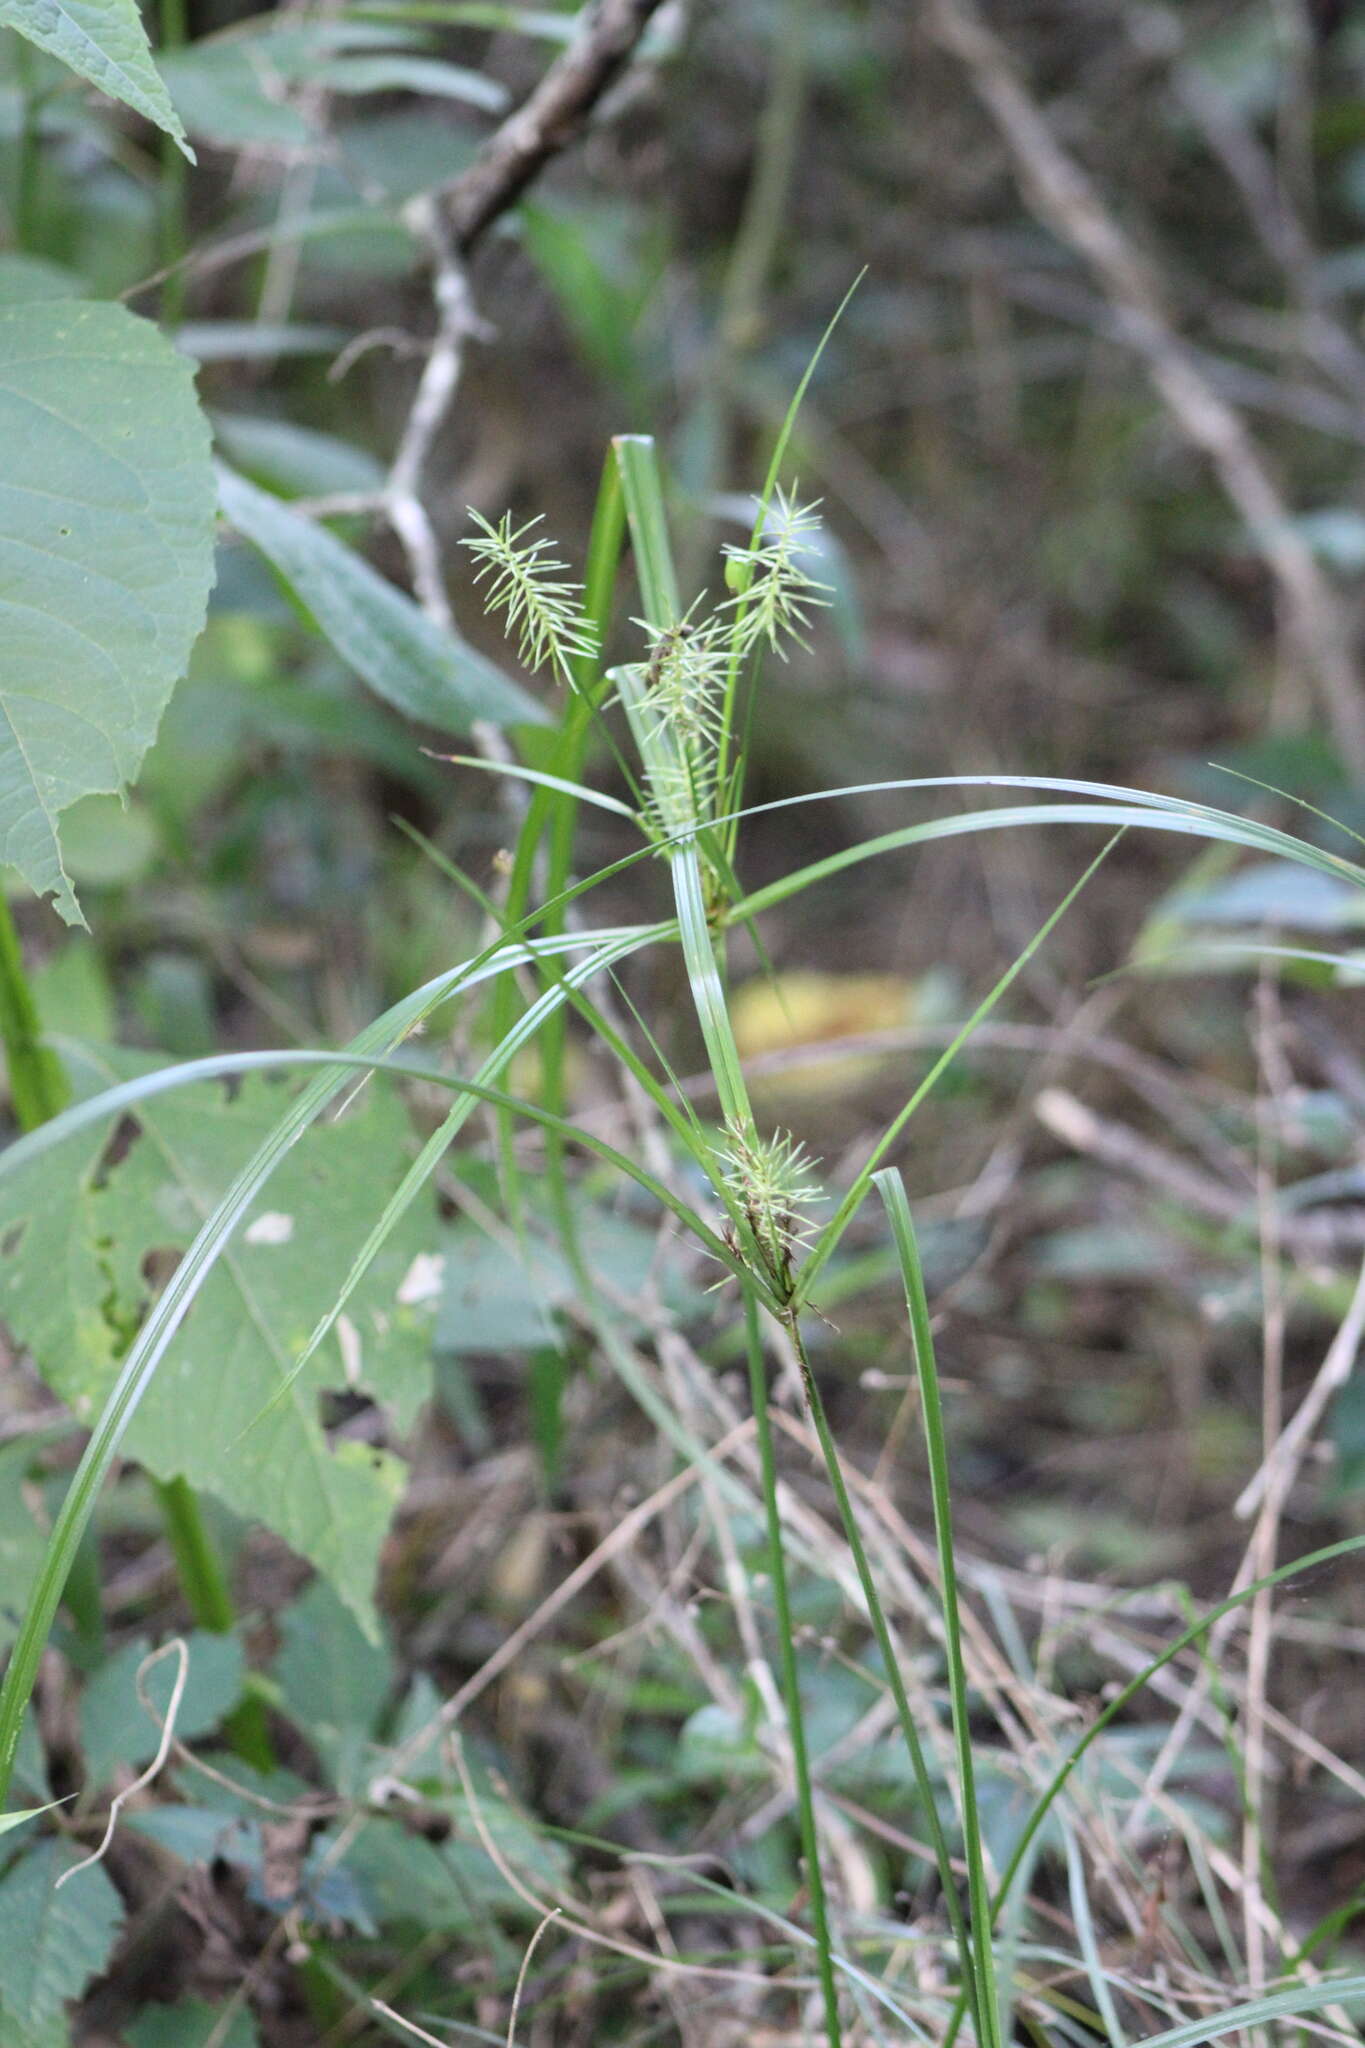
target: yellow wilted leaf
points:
(804, 1007)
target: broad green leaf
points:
(500, 1295)
(107, 844)
(448, 1885)
(228, 94)
(203, 1834)
(24, 278)
(429, 674)
(406, 1880)
(74, 991)
(191, 2025)
(1271, 892)
(106, 43)
(73, 1288)
(106, 558)
(405, 150)
(334, 1684)
(55, 1941)
(116, 1729)
(329, 1675)
(398, 71)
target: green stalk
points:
(37, 1081)
(892, 1191)
(891, 1663)
(642, 484)
(204, 1582)
(791, 1685)
(702, 949)
(26, 166)
(550, 1369)
(1122, 1698)
(551, 809)
(202, 1577)
(604, 555)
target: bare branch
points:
(553, 117)
(1318, 1232)
(450, 221)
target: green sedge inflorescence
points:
(682, 690)
(774, 593)
(773, 1181)
(522, 579)
(680, 702)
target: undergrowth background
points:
(1087, 443)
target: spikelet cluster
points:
(774, 1181)
(682, 687)
(683, 693)
(775, 592)
(521, 579)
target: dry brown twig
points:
(1065, 200)
(1118, 1145)
(178, 1649)
(554, 116)
(450, 222)
(1280, 1467)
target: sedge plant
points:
(684, 695)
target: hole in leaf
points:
(120, 1144)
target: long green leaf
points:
(1130, 1691)
(172, 1306)
(1259, 2011)
(1117, 807)
(539, 779)
(430, 674)
(892, 1191)
(643, 487)
(891, 1662)
(441, 1140)
(829, 1237)
(791, 1682)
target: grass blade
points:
(1090, 1948)
(1129, 1692)
(881, 1629)
(765, 499)
(370, 1049)
(829, 1237)
(558, 784)
(892, 1191)
(791, 1683)
(1278, 2005)
(439, 1143)
(648, 521)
